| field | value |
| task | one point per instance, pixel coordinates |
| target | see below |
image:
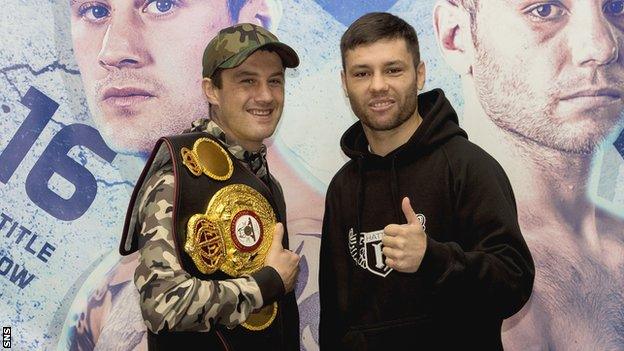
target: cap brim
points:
(288, 54)
(289, 57)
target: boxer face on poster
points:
(140, 62)
(543, 84)
(553, 76)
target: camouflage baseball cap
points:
(233, 45)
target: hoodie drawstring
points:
(359, 199)
(394, 189)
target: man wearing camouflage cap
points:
(185, 299)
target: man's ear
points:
(343, 78)
(210, 91)
(451, 24)
(421, 75)
(265, 13)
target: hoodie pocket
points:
(398, 334)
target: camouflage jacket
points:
(172, 299)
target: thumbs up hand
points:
(285, 262)
(405, 244)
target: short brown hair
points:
(376, 26)
(216, 78)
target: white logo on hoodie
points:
(366, 249)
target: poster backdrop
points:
(537, 84)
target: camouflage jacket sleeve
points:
(171, 299)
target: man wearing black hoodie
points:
(421, 245)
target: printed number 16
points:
(54, 159)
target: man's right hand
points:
(285, 262)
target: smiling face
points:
(249, 103)
(382, 83)
(555, 74)
(140, 63)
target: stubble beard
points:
(405, 110)
(515, 107)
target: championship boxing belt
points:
(224, 216)
(235, 232)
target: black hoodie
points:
(476, 271)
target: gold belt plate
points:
(209, 158)
(234, 235)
